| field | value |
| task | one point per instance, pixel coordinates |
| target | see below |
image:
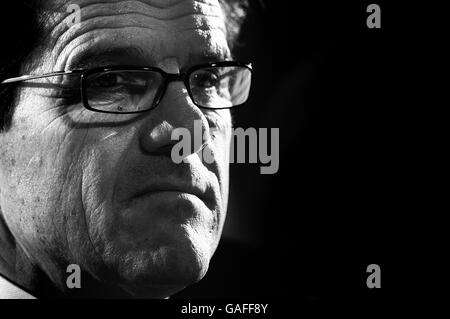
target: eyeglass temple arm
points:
(34, 77)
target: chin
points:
(155, 248)
(161, 271)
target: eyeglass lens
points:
(135, 91)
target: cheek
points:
(40, 193)
(103, 161)
(221, 132)
(216, 160)
(221, 153)
(51, 177)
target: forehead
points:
(183, 29)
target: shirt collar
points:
(8, 290)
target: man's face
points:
(101, 190)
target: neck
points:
(17, 267)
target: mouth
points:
(202, 193)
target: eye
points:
(120, 80)
(108, 80)
(204, 79)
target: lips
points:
(168, 187)
(137, 178)
(202, 191)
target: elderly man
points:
(91, 93)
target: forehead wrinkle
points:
(98, 35)
(101, 43)
(90, 34)
(136, 6)
(158, 4)
(199, 13)
(121, 6)
(201, 20)
(218, 49)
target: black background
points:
(336, 205)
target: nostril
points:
(164, 150)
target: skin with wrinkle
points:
(175, 20)
(100, 190)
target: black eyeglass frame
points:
(167, 78)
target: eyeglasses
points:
(132, 89)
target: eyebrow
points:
(110, 56)
(133, 55)
(206, 57)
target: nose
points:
(176, 110)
